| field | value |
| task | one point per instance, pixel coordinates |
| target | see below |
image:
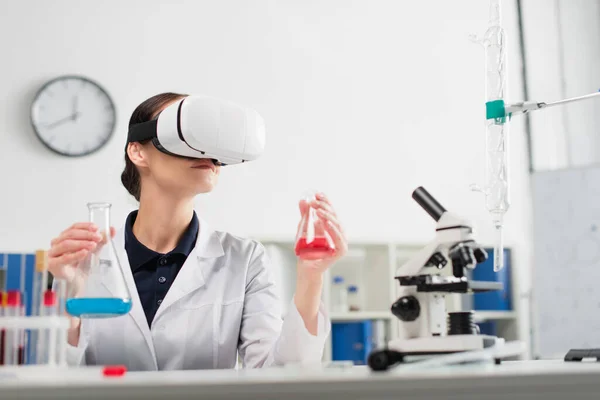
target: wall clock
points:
(73, 116)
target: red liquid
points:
(21, 357)
(317, 249)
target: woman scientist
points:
(199, 296)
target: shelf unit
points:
(352, 316)
(372, 267)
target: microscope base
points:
(400, 349)
(443, 344)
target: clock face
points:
(73, 116)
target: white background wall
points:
(562, 42)
(562, 52)
(365, 100)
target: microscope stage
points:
(437, 283)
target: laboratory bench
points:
(529, 380)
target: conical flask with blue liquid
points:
(98, 288)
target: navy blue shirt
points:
(153, 272)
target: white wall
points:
(365, 100)
(562, 52)
(562, 42)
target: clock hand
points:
(62, 121)
(75, 113)
(59, 122)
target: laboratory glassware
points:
(3, 309)
(353, 298)
(97, 286)
(37, 292)
(3, 330)
(496, 187)
(339, 295)
(48, 337)
(313, 242)
(55, 303)
(12, 350)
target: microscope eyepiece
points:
(428, 203)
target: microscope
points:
(425, 328)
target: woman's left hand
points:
(332, 226)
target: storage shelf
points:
(494, 315)
(360, 315)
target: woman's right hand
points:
(66, 251)
(72, 246)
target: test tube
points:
(22, 337)
(2, 331)
(11, 336)
(22, 333)
(47, 341)
(61, 292)
(40, 281)
(2, 311)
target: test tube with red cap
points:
(12, 336)
(47, 337)
(3, 331)
(2, 305)
(39, 285)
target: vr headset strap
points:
(142, 131)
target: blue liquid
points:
(92, 307)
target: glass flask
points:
(97, 288)
(313, 242)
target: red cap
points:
(13, 298)
(114, 370)
(49, 298)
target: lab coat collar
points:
(139, 255)
(191, 276)
(208, 244)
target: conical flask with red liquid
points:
(313, 242)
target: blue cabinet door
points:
(497, 300)
(352, 341)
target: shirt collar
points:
(139, 254)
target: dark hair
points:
(147, 111)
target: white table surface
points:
(511, 380)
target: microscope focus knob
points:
(480, 255)
(407, 308)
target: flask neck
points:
(100, 216)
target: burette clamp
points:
(500, 112)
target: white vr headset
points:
(205, 127)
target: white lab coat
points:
(222, 301)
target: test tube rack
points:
(33, 325)
(50, 352)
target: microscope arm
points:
(417, 263)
